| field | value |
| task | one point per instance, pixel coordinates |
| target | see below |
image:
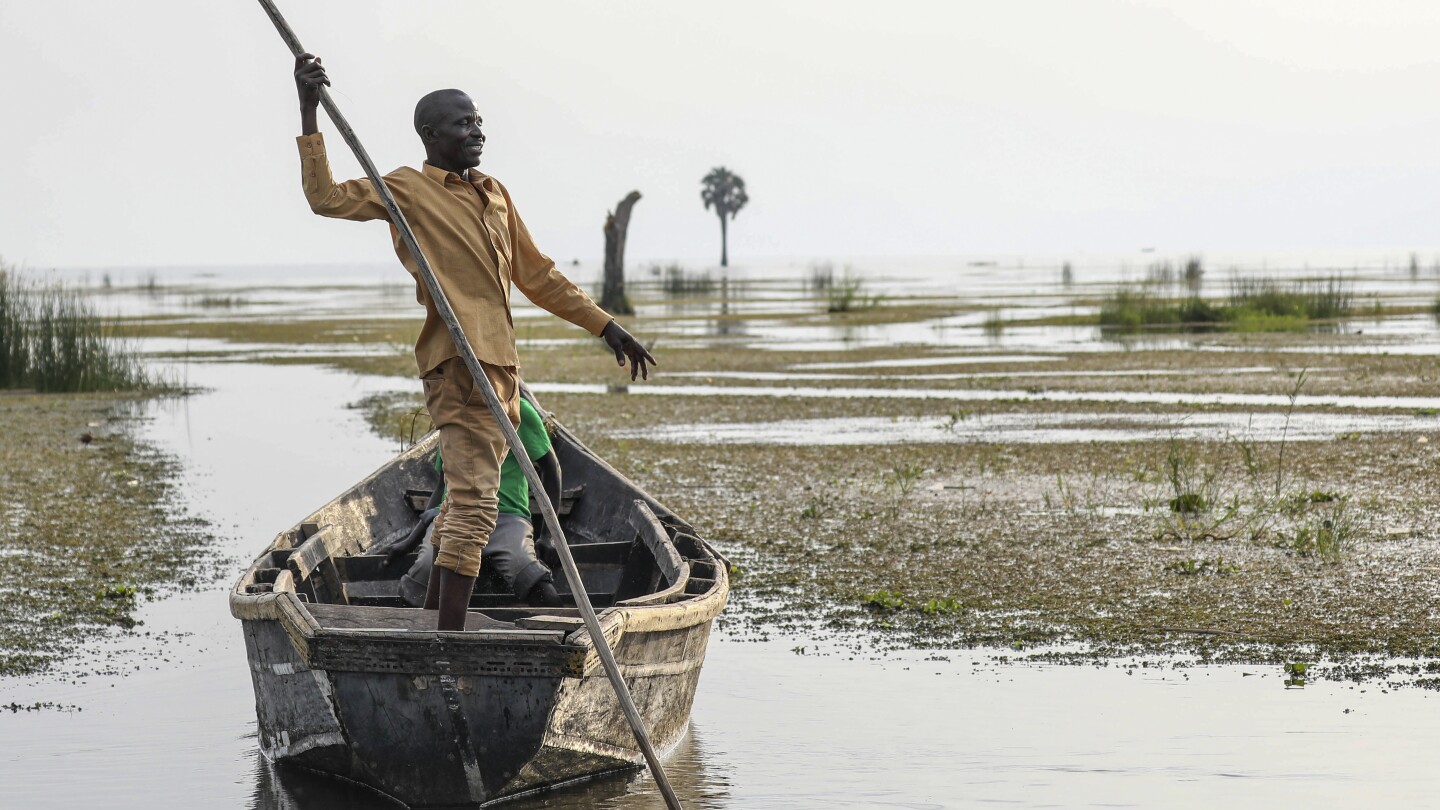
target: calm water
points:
(786, 722)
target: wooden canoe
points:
(351, 682)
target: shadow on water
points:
(699, 785)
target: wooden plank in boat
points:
(565, 623)
(352, 617)
(510, 614)
(601, 553)
(644, 522)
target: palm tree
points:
(726, 192)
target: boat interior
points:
(626, 554)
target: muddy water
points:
(784, 722)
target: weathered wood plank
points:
(353, 617)
(644, 522)
(566, 623)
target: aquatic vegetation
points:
(1190, 502)
(903, 478)
(1303, 499)
(1296, 673)
(1195, 489)
(994, 325)
(220, 301)
(821, 277)
(676, 280)
(820, 506)
(1165, 273)
(398, 415)
(942, 607)
(883, 600)
(52, 340)
(109, 510)
(1254, 304)
(1322, 536)
(1198, 567)
(849, 294)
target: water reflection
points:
(697, 783)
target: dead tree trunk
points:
(612, 294)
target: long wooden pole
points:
(517, 449)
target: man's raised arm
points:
(353, 199)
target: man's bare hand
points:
(309, 75)
(627, 347)
(309, 78)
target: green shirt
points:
(514, 492)
(514, 489)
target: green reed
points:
(52, 340)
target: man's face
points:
(453, 136)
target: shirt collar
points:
(440, 175)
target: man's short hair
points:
(426, 107)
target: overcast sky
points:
(162, 132)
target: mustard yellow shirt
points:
(476, 244)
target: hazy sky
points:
(162, 132)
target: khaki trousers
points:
(473, 448)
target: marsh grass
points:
(848, 294)
(994, 325)
(821, 277)
(903, 478)
(220, 301)
(1259, 502)
(51, 340)
(1254, 304)
(676, 280)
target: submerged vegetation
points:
(1256, 304)
(52, 340)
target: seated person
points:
(511, 552)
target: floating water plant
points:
(883, 600)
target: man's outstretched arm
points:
(536, 276)
(353, 199)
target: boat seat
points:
(352, 617)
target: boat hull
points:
(467, 719)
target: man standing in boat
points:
(477, 245)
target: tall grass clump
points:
(848, 294)
(1133, 307)
(1253, 299)
(1254, 303)
(822, 277)
(51, 340)
(676, 280)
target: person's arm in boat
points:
(548, 468)
(354, 199)
(417, 534)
